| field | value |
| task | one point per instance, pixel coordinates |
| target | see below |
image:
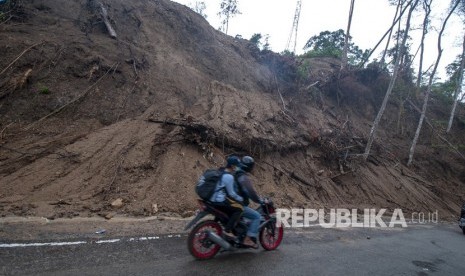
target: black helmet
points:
(247, 163)
(233, 161)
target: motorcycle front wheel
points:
(198, 243)
(271, 236)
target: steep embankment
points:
(87, 119)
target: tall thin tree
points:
(228, 9)
(392, 81)
(367, 57)
(430, 84)
(458, 88)
(199, 7)
(347, 37)
(426, 21)
(394, 20)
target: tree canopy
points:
(331, 44)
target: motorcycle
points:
(206, 239)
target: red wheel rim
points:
(270, 241)
(199, 244)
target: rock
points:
(326, 132)
(187, 214)
(109, 216)
(320, 172)
(118, 203)
(154, 208)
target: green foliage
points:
(303, 69)
(266, 44)
(328, 52)
(10, 9)
(228, 9)
(4, 10)
(452, 69)
(405, 70)
(287, 53)
(44, 90)
(444, 91)
(199, 7)
(326, 40)
(256, 39)
(331, 44)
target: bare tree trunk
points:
(427, 7)
(346, 42)
(391, 83)
(227, 24)
(399, 115)
(104, 14)
(430, 85)
(459, 87)
(362, 63)
(399, 7)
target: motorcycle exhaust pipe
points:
(219, 240)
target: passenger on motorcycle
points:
(247, 191)
(225, 197)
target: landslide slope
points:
(87, 119)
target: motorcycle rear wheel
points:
(271, 236)
(198, 243)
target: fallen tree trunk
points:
(104, 14)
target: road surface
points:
(435, 249)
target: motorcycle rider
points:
(247, 191)
(225, 197)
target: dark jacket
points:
(246, 189)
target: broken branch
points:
(292, 175)
(16, 59)
(311, 85)
(73, 101)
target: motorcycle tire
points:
(271, 236)
(198, 243)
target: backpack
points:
(206, 185)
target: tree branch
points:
(16, 59)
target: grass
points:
(44, 90)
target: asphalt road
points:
(416, 250)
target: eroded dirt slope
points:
(87, 119)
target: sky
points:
(371, 19)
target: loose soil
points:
(94, 126)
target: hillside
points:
(87, 119)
